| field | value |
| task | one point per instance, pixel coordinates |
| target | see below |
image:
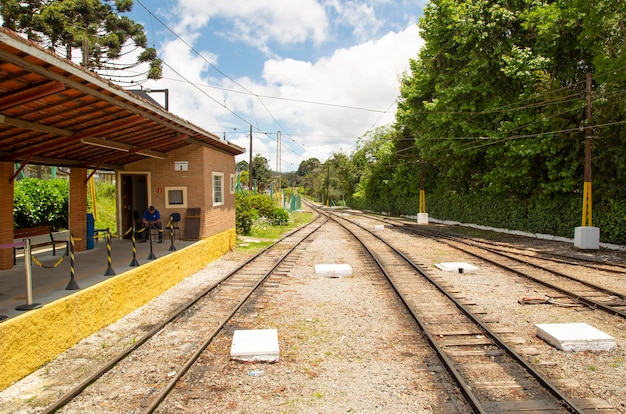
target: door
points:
(134, 201)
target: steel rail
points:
(559, 258)
(78, 389)
(589, 302)
(568, 404)
(192, 360)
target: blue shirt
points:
(151, 217)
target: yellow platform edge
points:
(30, 340)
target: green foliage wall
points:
(41, 203)
(557, 217)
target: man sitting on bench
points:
(151, 219)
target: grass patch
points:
(266, 234)
(263, 230)
(106, 210)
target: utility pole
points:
(327, 185)
(587, 236)
(587, 214)
(250, 163)
(278, 165)
(422, 194)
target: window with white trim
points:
(218, 189)
(175, 197)
(233, 183)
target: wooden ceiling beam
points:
(73, 137)
(34, 126)
(30, 94)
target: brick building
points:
(56, 113)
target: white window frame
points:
(213, 193)
(167, 197)
(233, 183)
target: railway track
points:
(571, 290)
(476, 355)
(594, 263)
(547, 269)
(181, 339)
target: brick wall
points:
(6, 214)
(78, 208)
(219, 218)
(202, 162)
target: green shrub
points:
(252, 208)
(245, 213)
(280, 217)
(41, 203)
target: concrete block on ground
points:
(333, 270)
(575, 337)
(587, 237)
(460, 267)
(255, 345)
(379, 227)
(422, 218)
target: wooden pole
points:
(587, 213)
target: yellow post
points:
(92, 192)
(422, 195)
(587, 219)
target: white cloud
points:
(364, 76)
(258, 21)
(361, 18)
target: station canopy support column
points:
(78, 207)
(6, 214)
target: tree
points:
(241, 166)
(374, 161)
(495, 100)
(308, 166)
(92, 26)
(289, 179)
(261, 172)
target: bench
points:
(40, 236)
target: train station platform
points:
(91, 267)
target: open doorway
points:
(134, 200)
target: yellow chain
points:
(38, 263)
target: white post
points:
(29, 280)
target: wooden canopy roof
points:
(53, 112)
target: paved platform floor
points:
(90, 267)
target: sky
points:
(314, 74)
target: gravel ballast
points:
(345, 343)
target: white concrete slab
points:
(587, 238)
(575, 337)
(460, 267)
(333, 270)
(255, 345)
(422, 218)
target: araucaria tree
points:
(92, 30)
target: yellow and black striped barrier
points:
(109, 271)
(72, 285)
(171, 227)
(133, 262)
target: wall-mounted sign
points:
(181, 165)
